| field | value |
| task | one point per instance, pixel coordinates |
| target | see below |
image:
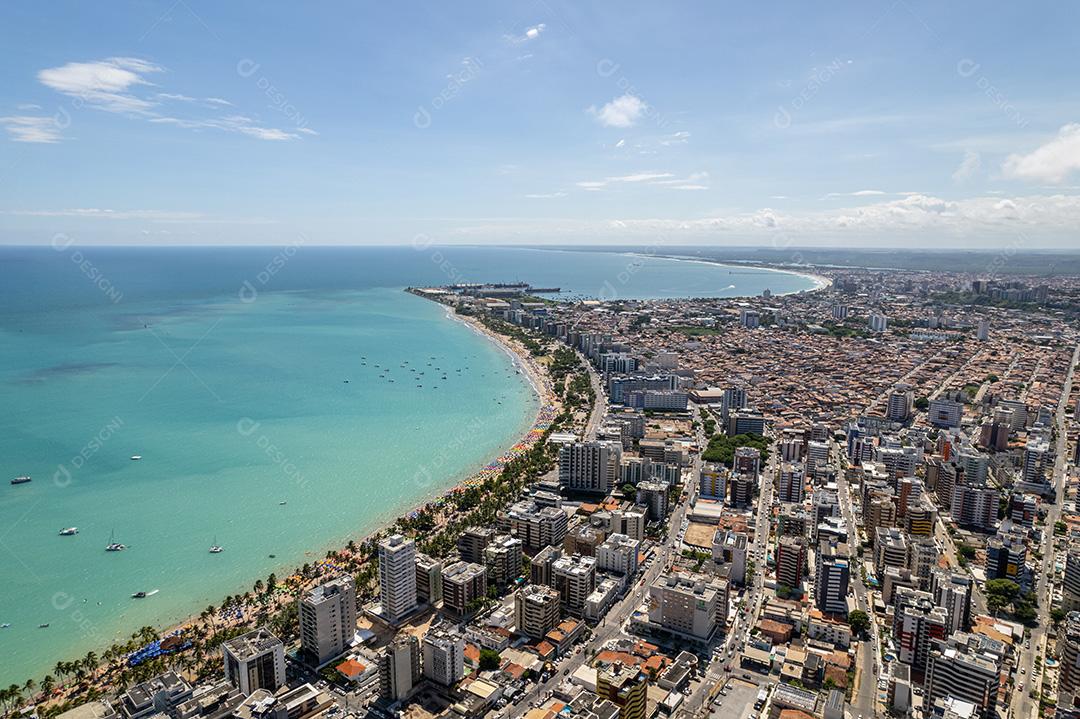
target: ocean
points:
(255, 385)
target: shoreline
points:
(821, 282)
(322, 560)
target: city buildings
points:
(654, 496)
(463, 584)
(624, 686)
(472, 543)
(444, 655)
(537, 609)
(791, 562)
(327, 619)
(591, 467)
(397, 577)
(688, 606)
(428, 579)
(255, 660)
(618, 555)
(537, 527)
(400, 667)
(574, 578)
(503, 560)
(791, 483)
(960, 671)
(831, 576)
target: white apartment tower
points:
(444, 656)
(328, 619)
(397, 577)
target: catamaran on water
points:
(113, 545)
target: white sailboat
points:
(113, 545)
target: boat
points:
(273, 556)
(43, 626)
(21, 480)
(113, 545)
(139, 595)
(282, 503)
(216, 548)
(136, 457)
(69, 531)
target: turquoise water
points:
(226, 371)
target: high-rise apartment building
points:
(591, 467)
(327, 619)
(444, 655)
(399, 669)
(255, 660)
(397, 577)
(536, 610)
(832, 573)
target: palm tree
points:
(60, 669)
(90, 663)
(14, 694)
(47, 685)
(29, 686)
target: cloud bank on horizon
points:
(909, 124)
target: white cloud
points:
(694, 181)
(531, 33)
(234, 123)
(545, 195)
(623, 111)
(857, 193)
(641, 177)
(1052, 162)
(104, 84)
(968, 167)
(116, 85)
(174, 96)
(32, 128)
(676, 138)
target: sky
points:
(883, 123)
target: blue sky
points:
(863, 124)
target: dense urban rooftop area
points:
(854, 502)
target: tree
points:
(922, 403)
(489, 660)
(629, 490)
(1000, 593)
(859, 621)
